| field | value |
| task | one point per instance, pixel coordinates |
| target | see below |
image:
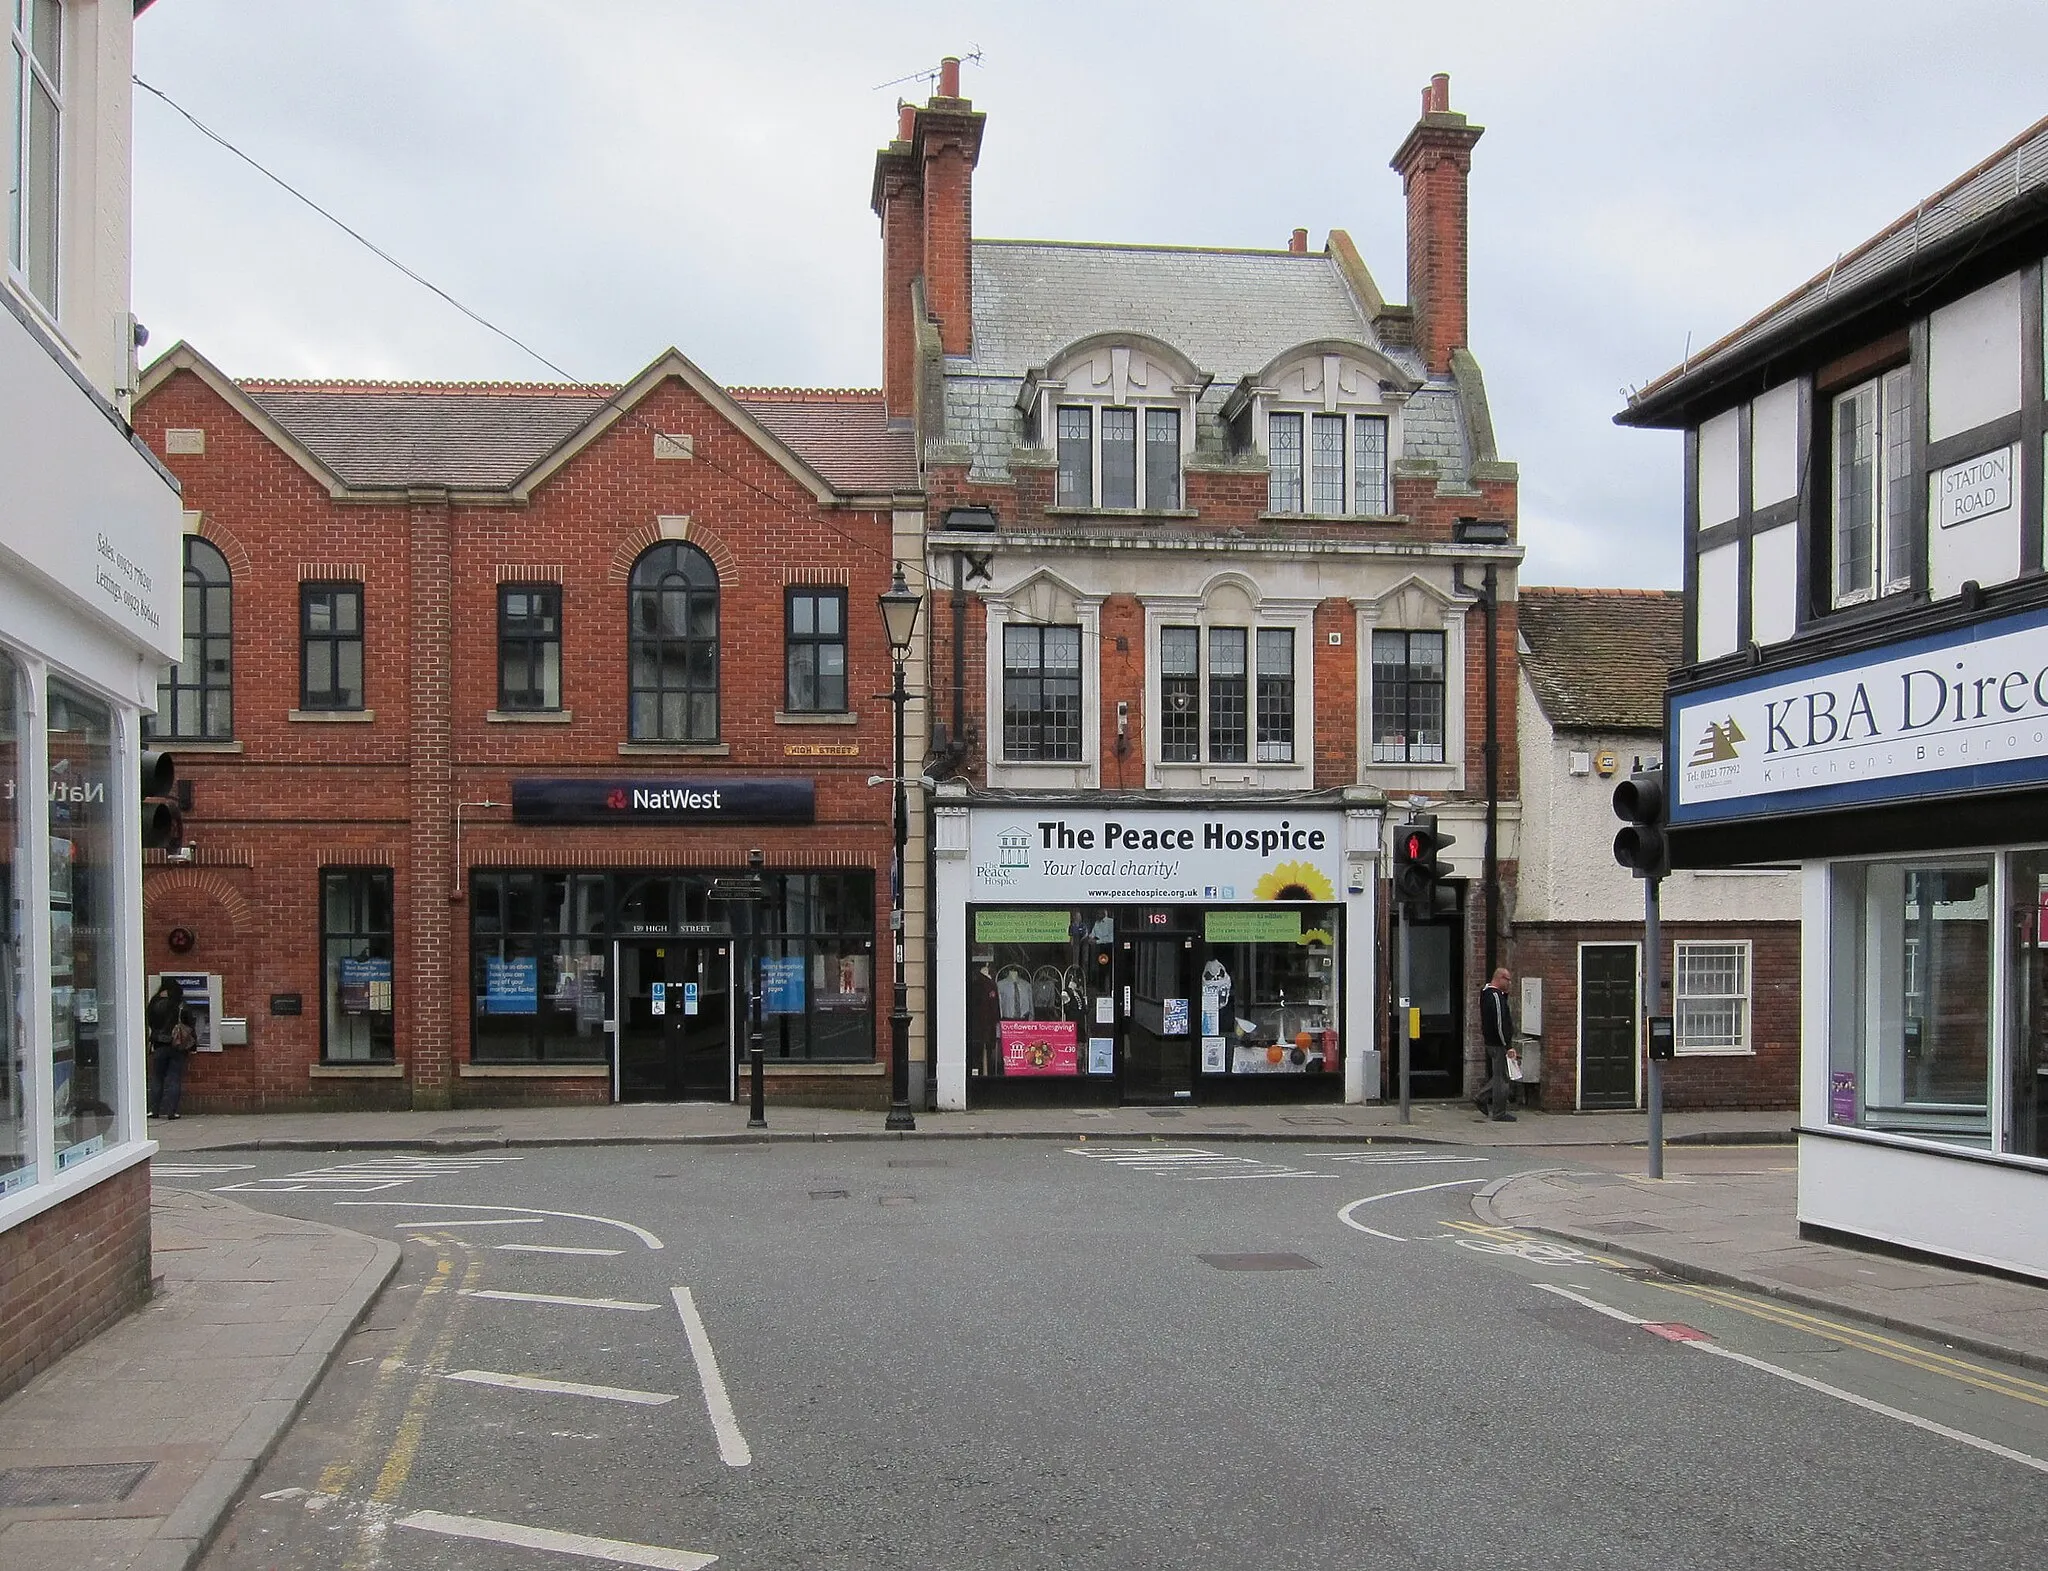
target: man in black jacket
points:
(1497, 1029)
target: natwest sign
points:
(1964, 710)
(664, 801)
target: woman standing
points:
(170, 1027)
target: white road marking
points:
(1344, 1215)
(1864, 1402)
(1387, 1159)
(616, 1550)
(1821, 1386)
(640, 1233)
(197, 1169)
(557, 1298)
(732, 1445)
(1593, 1304)
(475, 1221)
(486, 1377)
(1189, 1162)
(368, 1175)
(555, 1249)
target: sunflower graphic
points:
(1294, 881)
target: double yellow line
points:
(1961, 1370)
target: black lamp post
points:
(899, 603)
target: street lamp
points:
(899, 603)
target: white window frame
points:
(1267, 615)
(1058, 404)
(25, 70)
(1078, 611)
(1742, 1000)
(1416, 606)
(1351, 418)
(1891, 401)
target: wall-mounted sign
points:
(649, 800)
(287, 1004)
(1960, 710)
(1975, 488)
(1068, 854)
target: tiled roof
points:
(1599, 659)
(1231, 312)
(485, 436)
(2014, 176)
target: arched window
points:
(195, 701)
(673, 659)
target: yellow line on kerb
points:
(1961, 1370)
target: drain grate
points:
(83, 1484)
(468, 1129)
(828, 1194)
(1341, 1123)
(921, 1161)
(1164, 1112)
(1261, 1262)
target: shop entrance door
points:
(675, 1020)
(1436, 987)
(1159, 1038)
(1607, 1025)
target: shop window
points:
(1340, 471)
(1038, 983)
(35, 68)
(529, 646)
(356, 980)
(330, 646)
(2027, 1071)
(85, 913)
(1098, 450)
(1710, 996)
(1873, 474)
(673, 613)
(195, 701)
(17, 1140)
(1269, 991)
(1041, 693)
(816, 951)
(815, 652)
(1909, 1002)
(538, 963)
(1407, 697)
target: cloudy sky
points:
(605, 178)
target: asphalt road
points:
(1029, 1355)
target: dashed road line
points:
(562, 1299)
(619, 1551)
(545, 1387)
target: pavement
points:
(250, 1309)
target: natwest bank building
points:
(488, 691)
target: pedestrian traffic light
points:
(163, 823)
(1419, 875)
(1643, 844)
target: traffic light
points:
(1419, 875)
(1643, 844)
(163, 823)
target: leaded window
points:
(1283, 453)
(1227, 741)
(1119, 458)
(195, 700)
(1162, 458)
(1180, 695)
(1369, 466)
(1076, 456)
(1407, 697)
(1326, 485)
(1275, 697)
(1041, 693)
(1873, 451)
(673, 655)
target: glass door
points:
(2027, 1120)
(675, 1020)
(1159, 1025)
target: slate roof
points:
(1599, 659)
(1230, 312)
(484, 436)
(2010, 181)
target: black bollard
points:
(757, 1114)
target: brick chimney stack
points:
(924, 196)
(1298, 242)
(1435, 162)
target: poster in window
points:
(1174, 1017)
(782, 984)
(511, 986)
(852, 995)
(1213, 1060)
(590, 1001)
(364, 987)
(1040, 1047)
(1102, 1055)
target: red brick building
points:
(484, 686)
(1222, 563)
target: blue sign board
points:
(782, 985)
(511, 987)
(706, 800)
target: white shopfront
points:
(1203, 951)
(91, 574)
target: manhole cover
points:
(828, 1194)
(1227, 1126)
(1164, 1112)
(895, 1200)
(920, 1161)
(87, 1483)
(1339, 1122)
(1261, 1262)
(468, 1129)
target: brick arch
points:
(661, 530)
(231, 547)
(197, 881)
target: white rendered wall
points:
(1719, 575)
(1973, 359)
(1986, 548)
(1774, 446)
(1993, 1213)
(1720, 499)
(1774, 584)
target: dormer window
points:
(1099, 458)
(1339, 469)
(1329, 417)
